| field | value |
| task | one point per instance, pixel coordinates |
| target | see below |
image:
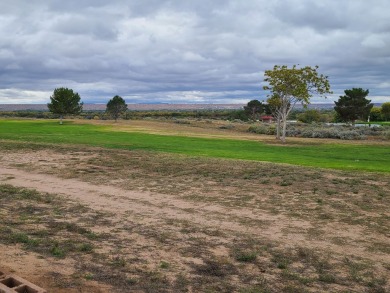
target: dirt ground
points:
(290, 230)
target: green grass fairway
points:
(363, 156)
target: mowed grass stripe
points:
(338, 156)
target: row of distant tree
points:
(351, 107)
(381, 113)
(65, 102)
(286, 87)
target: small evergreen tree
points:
(64, 101)
(254, 108)
(116, 106)
(353, 105)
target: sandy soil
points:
(154, 207)
(151, 209)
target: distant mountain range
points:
(146, 107)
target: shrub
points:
(258, 129)
(268, 129)
(333, 132)
(181, 121)
(293, 131)
(85, 247)
(245, 256)
(228, 126)
(344, 132)
(386, 135)
(57, 251)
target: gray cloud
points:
(187, 51)
(318, 15)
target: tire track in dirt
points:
(154, 207)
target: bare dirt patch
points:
(125, 220)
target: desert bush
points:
(294, 131)
(386, 134)
(181, 121)
(227, 126)
(333, 132)
(245, 256)
(269, 129)
(344, 132)
(259, 129)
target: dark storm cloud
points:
(187, 51)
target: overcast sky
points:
(188, 51)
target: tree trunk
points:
(60, 119)
(284, 129)
(285, 112)
(278, 127)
